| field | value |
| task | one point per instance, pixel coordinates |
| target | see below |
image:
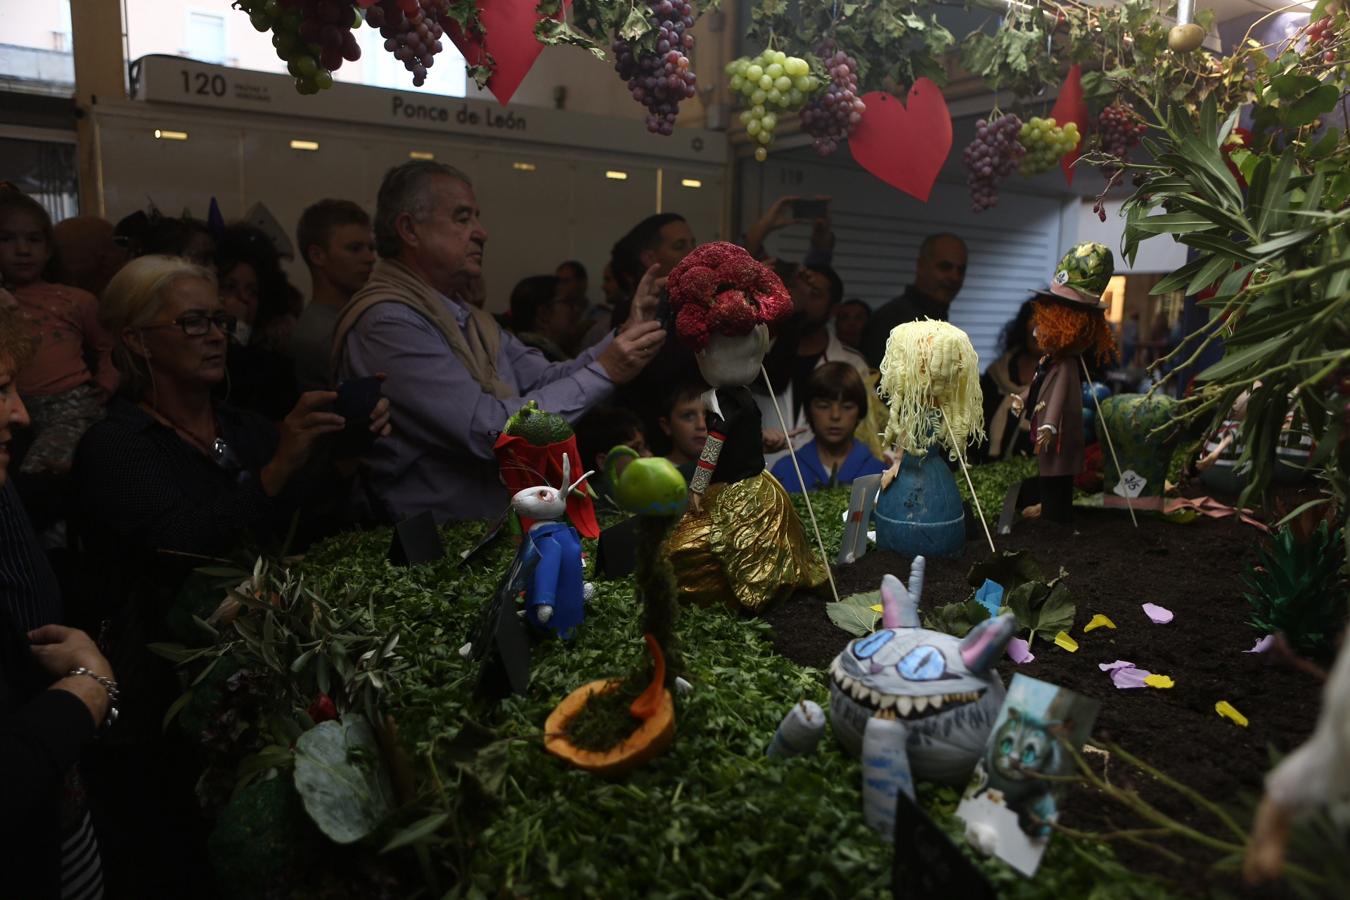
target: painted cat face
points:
(1022, 747)
(944, 689)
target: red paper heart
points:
(510, 40)
(1071, 107)
(904, 146)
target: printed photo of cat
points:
(1009, 807)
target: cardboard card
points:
(1007, 808)
(416, 541)
(860, 505)
(927, 865)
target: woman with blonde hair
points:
(172, 477)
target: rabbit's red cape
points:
(525, 465)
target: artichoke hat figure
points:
(740, 542)
(930, 380)
(1069, 320)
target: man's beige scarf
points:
(476, 346)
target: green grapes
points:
(1045, 142)
(769, 84)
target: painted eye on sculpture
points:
(1005, 747)
(868, 646)
(923, 663)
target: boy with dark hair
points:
(600, 431)
(836, 400)
(684, 424)
(335, 240)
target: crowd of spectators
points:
(168, 396)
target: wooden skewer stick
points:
(1109, 445)
(961, 458)
(806, 495)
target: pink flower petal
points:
(1262, 645)
(1129, 677)
(1118, 664)
(1159, 615)
(1020, 651)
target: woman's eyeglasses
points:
(199, 324)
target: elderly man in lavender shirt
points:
(452, 375)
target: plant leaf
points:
(347, 799)
(423, 828)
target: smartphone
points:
(356, 400)
(810, 209)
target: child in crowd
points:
(600, 431)
(835, 402)
(685, 425)
(63, 396)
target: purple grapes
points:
(661, 80)
(832, 114)
(992, 156)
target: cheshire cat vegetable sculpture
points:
(915, 703)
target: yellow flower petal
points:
(1159, 681)
(1099, 621)
(1065, 642)
(1225, 709)
(876, 608)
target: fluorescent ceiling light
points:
(615, 175)
(420, 154)
(691, 183)
(523, 166)
(165, 135)
(304, 145)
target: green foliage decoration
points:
(1295, 587)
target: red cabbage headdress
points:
(722, 289)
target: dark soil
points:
(1195, 571)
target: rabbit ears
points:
(567, 485)
(899, 604)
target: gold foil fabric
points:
(745, 549)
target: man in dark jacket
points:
(938, 277)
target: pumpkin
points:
(655, 707)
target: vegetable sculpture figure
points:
(1069, 320)
(555, 593)
(741, 541)
(930, 380)
(915, 703)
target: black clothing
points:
(152, 508)
(911, 306)
(261, 381)
(740, 425)
(646, 395)
(41, 731)
(28, 588)
(41, 734)
(145, 495)
(1057, 498)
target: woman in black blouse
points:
(171, 478)
(50, 700)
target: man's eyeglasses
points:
(199, 324)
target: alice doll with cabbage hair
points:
(930, 381)
(740, 543)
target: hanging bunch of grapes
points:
(995, 154)
(770, 84)
(1119, 129)
(313, 37)
(412, 32)
(660, 80)
(833, 113)
(1322, 40)
(1045, 142)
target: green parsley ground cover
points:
(711, 818)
